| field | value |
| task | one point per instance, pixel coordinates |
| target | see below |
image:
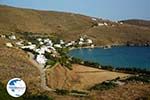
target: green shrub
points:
(50, 62)
(76, 60)
(37, 97)
(62, 92)
(91, 64)
(134, 70)
(141, 78)
(104, 86)
(79, 92)
(107, 68)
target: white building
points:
(100, 24)
(9, 45)
(121, 23)
(41, 59)
(92, 46)
(12, 37)
(3, 36)
(39, 39)
(105, 24)
(89, 41)
(57, 45)
(70, 43)
(49, 43)
(42, 50)
(31, 47)
(73, 42)
(46, 40)
(81, 43)
(94, 19)
(29, 43)
(81, 39)
(62, 42)
(41, 43)
(20, 43)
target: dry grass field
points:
(131, 91)
(80, 78)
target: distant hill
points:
(145, 23)
(69, 26)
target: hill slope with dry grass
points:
(144, 23)
(15, 63)
(70, 26)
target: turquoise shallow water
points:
(138, 57)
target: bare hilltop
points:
(70, 26)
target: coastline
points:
(132, 70)
(108, 46)
(100, 46)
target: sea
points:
(122, 56)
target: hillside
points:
(15, 63)
(70, 26)
(144, 23)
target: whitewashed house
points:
(49, 43)
(73, 42)
(29, 43)
(105, 24)
(42, 50)
(3, 36)
(46, 40)
(121, 23)
(53, 48)
(9, 45)
(57, 45)
(92, 46)
(89, 41)
(81, 43)
(62, 42)
(100, 24)
(20, 43)
(81, 39)
(12, 37)
(31, 47)
(70, 43)
(39, 39)
(41, 59)
(41, 43)
(94, 19)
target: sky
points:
(106, 9)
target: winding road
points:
(42, 72)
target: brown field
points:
(80, 78)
